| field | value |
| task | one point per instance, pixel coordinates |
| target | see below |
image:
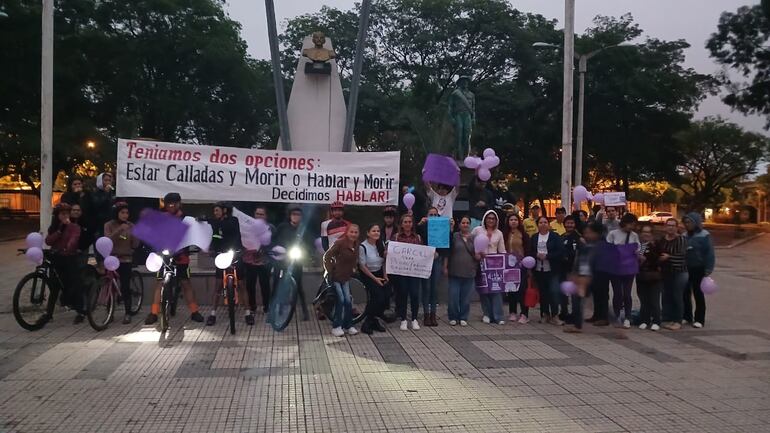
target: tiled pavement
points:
(482, 378)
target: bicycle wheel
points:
(137, 292)
(33, 301)
(101, 304)
(326, 299)
(230, 290)
(165, 307)
(284, 303)
(359, 294)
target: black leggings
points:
(68, 269)
(259, 273)
(379, 296)
(693, 291)
(124, 272)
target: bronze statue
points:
(462, 111)
(319, 56)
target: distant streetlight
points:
(582, 67)
(91, 144)
(3, 14)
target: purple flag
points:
(160, 230)
(441, 169)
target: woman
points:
(649, 280)
(408, 286)
(491, 303)
(461, 266)
(583, 271)
(86, 240)
(340, 262)
(517, 242)
(63, 237)
(700, 260)
(549, 252)
(371, 262)
(623, 281)
(673, 247)
(119, 230)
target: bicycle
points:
(227, 263)
(164, 263)
(35, 296)
(283, 302)
(326, 298)
(102, 300)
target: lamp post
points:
(582, 68)
(46, 116)
(567, 101)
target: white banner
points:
(409, 260)
(153, 168)
(614, 198)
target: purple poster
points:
(498, 273)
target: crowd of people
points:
(578, 248)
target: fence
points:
(26, 201)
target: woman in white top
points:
(549, 252)
(622, 284)
(491, 304)
(371, 262)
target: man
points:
(290, 234)
(100, 208)
(389, 229)
(333, 228)
(530, 224)
(258, 268)
(572, 241)
(610, 220)
(480, 199)
(226, 237)
(172, 204)
(557, 225)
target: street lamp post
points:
(46, 116)
(567, 101)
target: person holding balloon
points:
(700, 260)
(488, 239)
(123, 245)
(584, 267)
(63, 237)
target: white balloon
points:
(154, 262)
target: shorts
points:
(182, 273)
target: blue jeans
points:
(459, 303)
(343, 310)
(673, 296)
(430, 288)
(492, 306)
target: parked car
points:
(657, 217)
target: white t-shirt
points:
(542, 248)
(444, 203)
(369, 256)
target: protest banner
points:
(499, 273)
(438, 232)
(614, 198)
(409, 260)
(153, 168)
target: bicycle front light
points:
(295, 253)
(224, 260)
(165, 252)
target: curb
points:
(740, 242)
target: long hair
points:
(380, 244)
(520, 228)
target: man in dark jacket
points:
(480, 200)
(571, 241)
(290, 234)
(700, 259)
(99, 211)
(226, 236)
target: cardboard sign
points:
(499, 273)
(441, 169)
(409, 260)
(614, 199)
(438, 232)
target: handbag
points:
(532, 295)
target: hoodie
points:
(496, 240)
(700, 248)
(101, 207)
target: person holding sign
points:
(408, 286)
(517, 243)
(371, 262)
(340, 262)
(491, 304)
(461, 265)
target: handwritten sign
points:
(409, 260)
(614, 198)
(499, 273)
(438, 232)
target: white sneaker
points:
(338, 332)
(463, 323)
(697, 325)
(626, 323)
(415, 325)
(352, 330)
(404, 325)
(485, 319)
(643, 326)
(654, 327)
(502, 322)
(452, 322)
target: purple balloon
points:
(568, 288)
(481, 243)
(409, 200)
(104, 246)
(598, 198)
(111, 263)
(35, 255)
(484, 174)
(489, 152)
(265, 238)
(319, 245)
(708, 286)
(528, 262)
(279, 252)
(34, 240)
(580, 194)
(472, 162)
(494, 161)
(260, 226)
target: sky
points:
(692, 20)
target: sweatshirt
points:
(64, 239)
(700, 247)
(123, 242)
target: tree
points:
(717, 155)
(741, 44)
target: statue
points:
(319, 55)
(462, 111)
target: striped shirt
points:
(676, 249)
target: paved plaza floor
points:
(480, 378)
